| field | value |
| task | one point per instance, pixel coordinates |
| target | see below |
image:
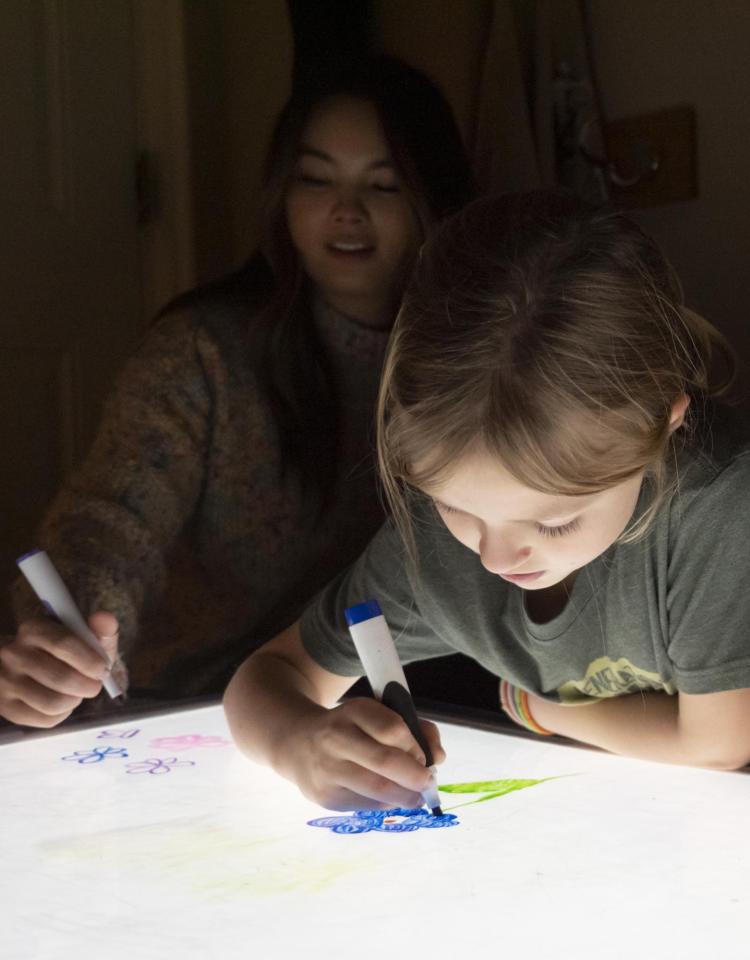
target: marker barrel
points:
(47, 584)
(374, 644)
(376, 649)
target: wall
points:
(239, 66)
(651, 54)
(257, 76)
(206, 95)
(648, 54)
(445, 39)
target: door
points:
(69, 255)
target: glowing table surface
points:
(166, 842)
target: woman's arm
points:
(281, 710)
(703, 730)
(110, 526)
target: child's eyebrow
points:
(556, 518)
(559, 517)
(307, 151)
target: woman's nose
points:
(499, 554)
(348, 207)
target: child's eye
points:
(386, 187)
(559, 531)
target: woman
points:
(232, 475)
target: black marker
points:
(377, 651)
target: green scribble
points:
(490, 789)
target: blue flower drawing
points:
(398, 820)
(96, 755)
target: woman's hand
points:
(359, 755)
(45, 671)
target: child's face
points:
(532, 539)
(348, 214)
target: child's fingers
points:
(385, 726)
(393, 765)
(432, 735)
(376, 740)
(347, 800)
(367, 790)
(361, 750)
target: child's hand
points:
(45, 671)
(361, 755)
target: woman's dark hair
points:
(426, 147)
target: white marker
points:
(48, 586)
(377, 651)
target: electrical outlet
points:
(652, 158)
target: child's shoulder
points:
(715, 463)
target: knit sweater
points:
(182, 521)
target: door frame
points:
(162, 167)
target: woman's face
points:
(349, 216)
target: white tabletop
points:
(123, 842)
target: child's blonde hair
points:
(554, 337)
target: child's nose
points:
(499, 554)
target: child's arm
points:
(281, 710)
(703, 730)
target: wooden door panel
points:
(39, 425)
(69, 257)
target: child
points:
(567, 509)
(233, 474)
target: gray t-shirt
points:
(669, 612)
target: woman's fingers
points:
(25, 701)
(64, 663)
(45, 671)
(54, 675)
(106, 628)
(58, 642)
(25, 716)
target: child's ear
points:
(679, 409)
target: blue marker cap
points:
(361, 612)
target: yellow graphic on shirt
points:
(605, 677)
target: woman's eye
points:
(386, 187)
(559, 531)
(444, 508)
(312, 181)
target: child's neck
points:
(544, 605)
